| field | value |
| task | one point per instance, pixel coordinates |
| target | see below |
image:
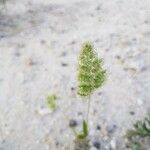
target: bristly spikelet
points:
(90, 72)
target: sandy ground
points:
(39, 46)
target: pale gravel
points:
(37, 36)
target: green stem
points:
(88, 111)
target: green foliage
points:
(51, 101)
(135, 146)
(84, 133)
(141, 128)
(90, 72)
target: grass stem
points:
(88, 109)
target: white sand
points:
(37, 36)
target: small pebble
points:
(107, 49)
(73, 123)
(100, 93)
(111, 129)
(21, 45)
(114, 126)
(63, 54)
(146, 21)
(94, 111)
(57, 143)
(72, 88)
(97, 40)
(134, 39)
(144, 68)
(2, 36)
(118, 57)
(80, 113)
(73, 42)
(31, 62)
(127, 146)
(132, 113)
(92, 15)
(98, 127)
(98, 7)
(17, 53)
(64, 64)
(42, 41)
(97, 144)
